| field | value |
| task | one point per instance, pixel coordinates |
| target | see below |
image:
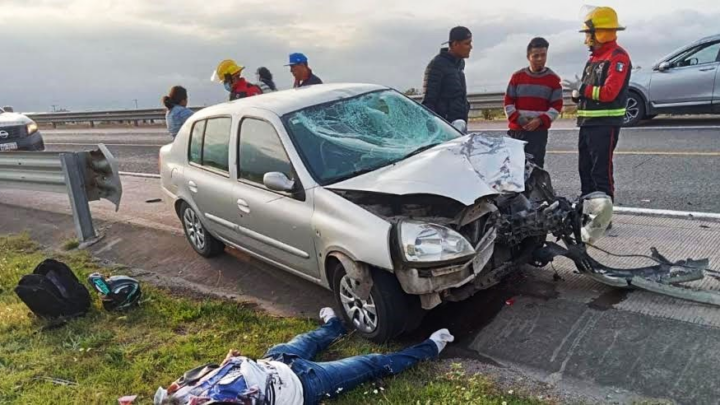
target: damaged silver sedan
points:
(362, 190)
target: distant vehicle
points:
(18, 132)
(686, 81)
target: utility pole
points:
(136, 104)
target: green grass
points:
(102, 356)
(71, 244)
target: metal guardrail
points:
(478, 103)
(84, 176)
(134, 116)
(489, 101)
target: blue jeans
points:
(322, 380)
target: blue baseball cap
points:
(297, 58)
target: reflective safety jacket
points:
(604, 90)
(243, 89)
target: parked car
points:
(18, 132)
(686, 81)
(366, 192)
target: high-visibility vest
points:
(593, 110)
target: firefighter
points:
(601, 96)
(229, 74)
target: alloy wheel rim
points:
(194, 228)
(632, 110)
(362, 313)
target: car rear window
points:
(196, 140)
(210, 143)
(217, 143)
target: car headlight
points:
(427, 243)
(32, 128)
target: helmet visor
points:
(584, 16)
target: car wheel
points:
(384, 315)
(200, 239)
(634, 110)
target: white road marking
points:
(143, 175)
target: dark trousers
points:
(596, 147)
(323, 380)
(536, 144)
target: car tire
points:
(634, 110)
(395, 311)
(197, 235)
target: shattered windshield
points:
(343, 139)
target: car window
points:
(261, 151)
(196, 141)
(216, 143)
(699, 56)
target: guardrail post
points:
(74, 178)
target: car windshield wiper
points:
(420, 150)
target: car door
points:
(273, 224)
(208, 176)
(689, 78)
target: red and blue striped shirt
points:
(532, 95)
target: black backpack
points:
(53, 291)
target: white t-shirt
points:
(287, 385)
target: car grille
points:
(13, 132)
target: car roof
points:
(709, 39)
(286, 101)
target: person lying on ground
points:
(288, 375)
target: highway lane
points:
(662, 168)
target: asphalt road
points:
(662, 165)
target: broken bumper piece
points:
(663, 278)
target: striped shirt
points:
(530, 95)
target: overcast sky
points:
(104, 54)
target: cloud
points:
(92, 54)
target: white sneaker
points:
(441, 338)
(326, 314)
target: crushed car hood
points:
(464, 169)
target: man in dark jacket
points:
(444, 85)
(300, 70)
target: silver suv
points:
(687, 81)
(365, 192)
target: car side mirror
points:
(277, 181)
(664, 66)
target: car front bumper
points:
(33, 142)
